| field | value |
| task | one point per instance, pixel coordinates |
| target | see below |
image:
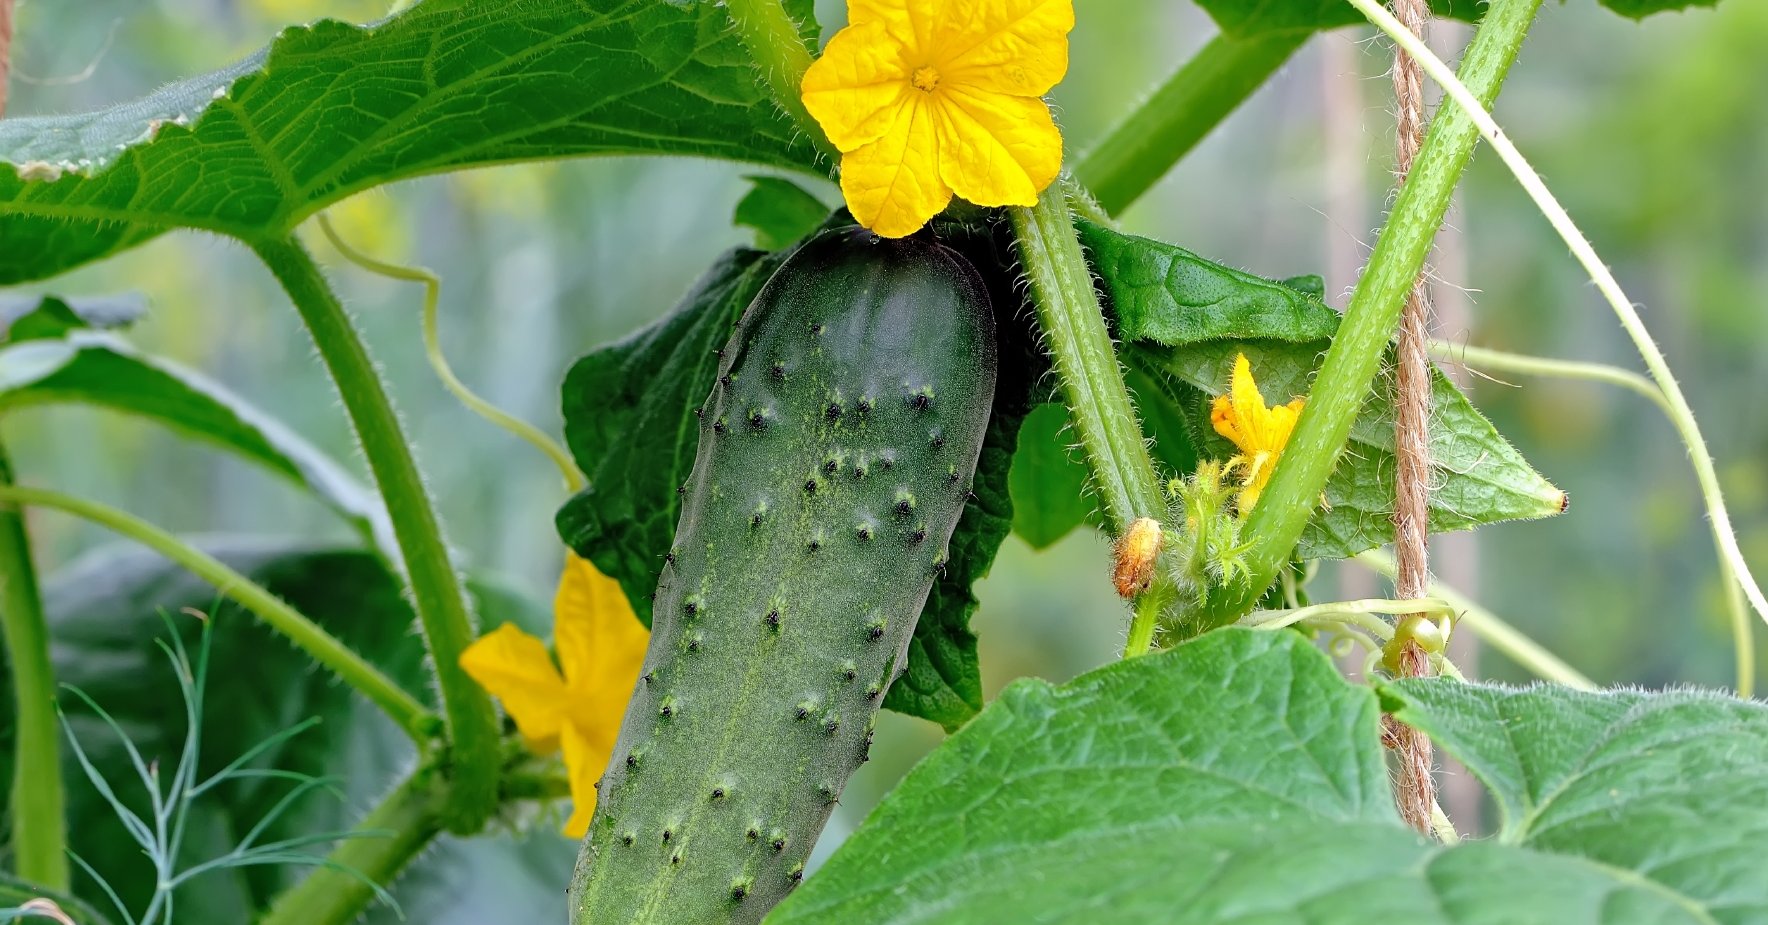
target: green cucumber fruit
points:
(835, 457)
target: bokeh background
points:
(1654, 134)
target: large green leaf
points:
(329, 109)
(1239, 778)
(1670, 786)
(54, 355)
(1242, 18)
(780, 211)
(1188, 318)
(1049, 486)
(105, 613)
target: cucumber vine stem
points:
(326, 649)
(772, 38)
(1472, 111)
(1087, 368)
(358, 869)
(1352, 361)
(1181, 113)
(39, 825)
(436, 588)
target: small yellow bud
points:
(1134, 557)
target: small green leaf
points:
(327, 110)
(1188, 318)
(1666, 784)
(1049, 486)
(1639, 9)
(629, 421)
(1163, 293)
(1239, 778)
(55, 355)
(780, 211)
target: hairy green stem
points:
(772, 38)
(1085, 361)
(306, 635)
(1494, 631)
(1352, 361)
(1086, 365)
(1743, 641)
(436, 588)
(39, 826)
(359, 868)
(1181, 113)
(1472, 108)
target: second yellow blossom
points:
(1260, 432)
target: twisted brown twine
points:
(1414, 788)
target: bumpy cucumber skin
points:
(835, 458)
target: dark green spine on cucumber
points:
(835, 457)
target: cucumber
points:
(835, 457)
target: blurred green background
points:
(1654, 134)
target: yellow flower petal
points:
(996, 150)
(1016, 47)
(915, 24)
(514, 667)
(856, 88)
(585, 761)
(1260, 432)
(893, 185)
(597, 635)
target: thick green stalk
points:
(306, 635)
(1355, 356)
(772, 38)
(1092, 381)
(39, 827)
(359, 869)
(436, 588)
(1086, 361)
(1192, 102)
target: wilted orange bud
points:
(1134, 557)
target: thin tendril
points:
(433, 349)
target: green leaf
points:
(1188, 318)
(329, 109)
(629, 422)
(1669, 785)
(1239, 778)
(105, 615)
(55, 355)
(1049, 486)
(780, 211)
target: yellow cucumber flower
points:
(926, 98)
(601, 646)
(1259, 432)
